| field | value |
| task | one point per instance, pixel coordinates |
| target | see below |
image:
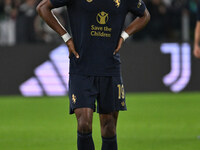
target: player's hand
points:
(71, 47)
(121, 40)
(197, 52)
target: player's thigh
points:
(84, 113)
(84, 118)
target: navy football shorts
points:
(107, 91)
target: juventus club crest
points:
(89, 1)
(117, 3)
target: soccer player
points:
(197, 35)
(95, 74)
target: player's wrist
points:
(66, 37)
(124, 35)
(69, 42)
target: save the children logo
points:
(102, 17)
(101, 30)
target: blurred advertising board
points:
(38, 70)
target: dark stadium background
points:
(160, 73)
(25, 43)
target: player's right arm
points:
(44, 9)
(197, 40)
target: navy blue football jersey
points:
(96, 27)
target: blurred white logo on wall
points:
(51, 77)
(179, 76)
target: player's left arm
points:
(136, 25)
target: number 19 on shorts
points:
(121, 94)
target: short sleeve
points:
(198, 12)
(60, 3)
(137, 7)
